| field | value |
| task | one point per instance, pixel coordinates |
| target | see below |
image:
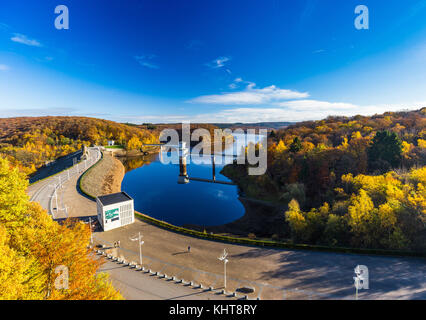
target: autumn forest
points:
(350, 182)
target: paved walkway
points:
(136, 285)
(273, 273)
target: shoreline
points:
(258, 216)
(252, 221)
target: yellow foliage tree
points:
(13, 199)
(15, 272)
(295, 218)
(32, 246)
(134, 143)
(281, 147)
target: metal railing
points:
(66, 176)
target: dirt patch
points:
(104, 178)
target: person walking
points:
(189, 248)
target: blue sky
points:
(211, 61)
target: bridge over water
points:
(184, 153)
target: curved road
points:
(43, 191)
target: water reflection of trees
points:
(131, 163)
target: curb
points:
(192, 284)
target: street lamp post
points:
(56, 200)
(139, 239)
(54, 195)
(225, 261)
(91, 233)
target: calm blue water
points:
(156, 193)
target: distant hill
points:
(346, 181)
(259, 125)
(28, 142)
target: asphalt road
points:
(43, 191)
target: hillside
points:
(29, 142)
(347, 181)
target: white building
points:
(115, 210)
(111, 143)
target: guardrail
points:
(84, 174)
(58, 173)
(88, 164)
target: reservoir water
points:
(155, 189)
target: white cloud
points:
(251, 96)
(218, 63)
(314, 105)
(4, 67)
(302, 112)
(20, 38)
(275, 104)
(319, 51)
(4, 26)
(145, 61)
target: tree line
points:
(29, 142)
(33, 246)
(356, 181)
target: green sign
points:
(111, 214)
